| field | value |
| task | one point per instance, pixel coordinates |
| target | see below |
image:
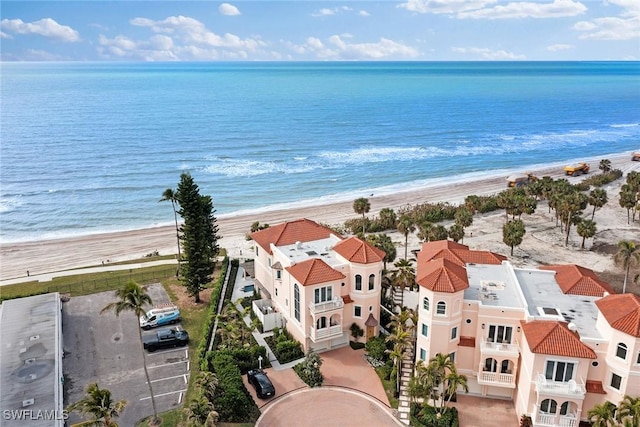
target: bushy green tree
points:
(513, 233)
(199, 236)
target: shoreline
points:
(46, 256)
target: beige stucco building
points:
(555, 340)
(319, 282)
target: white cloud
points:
(228, 9)
(363, 13)
(624, 27)
(559, 47)
(46, 27)
(556, 9)
(444, 6)
(488, 54)
(337, 47)
(4, 35)
(324, 12)
(611, 28)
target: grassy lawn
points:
(388, 388)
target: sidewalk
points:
(47, 277)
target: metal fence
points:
(109, 283)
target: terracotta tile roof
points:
(359, 251)
(457, 253)
(594, 387)
(347, 299)
(622, 311)
(314, 271)
(467, 342)
(442, 275)
(555, 338)
(301, 230)
(576, 280)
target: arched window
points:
(567, 408)
(441, 307)
(621, 352)
(296, 302)
(505, 367)
(549, 406)
(358, 282)
(490, 365)
(321, 323)
(372, 282)
(425, 303)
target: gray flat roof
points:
(322, 249)
(541, 292)
(31, 361)
(493, 285)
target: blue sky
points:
(417, 30)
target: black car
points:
(165, 338)
(261, 382)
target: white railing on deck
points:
(331, 331)
(321, 307)
(499, 348)
(495, 378)
(569, 388)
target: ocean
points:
(90, 147)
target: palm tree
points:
(629, 411)
(404, 276)
(605, 165)
(362, 206)
(98, 404)
(170, 195)
(586, 229)
(628, 254)
(406, 226)
(454, 381)
(401, 340)
(597, 199)
(134, 298)
(208, 383)
(602, 415)
(513, 233)
(198, 410)
(464, 218)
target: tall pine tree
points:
(199, 236)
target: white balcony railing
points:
(495, 378)
(550, 420)
(570, 388)
(334, 304)
(324, 333)
(499, 349)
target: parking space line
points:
(169, 350)
(169, 378)
(164, 394)
(169, 364)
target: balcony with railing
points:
(544, 419)
(501, 379)
(325, 333)
(572, 388)
(488, 348)
(335, 304)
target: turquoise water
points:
(90, 147)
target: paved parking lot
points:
(106, 349)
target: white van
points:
(160, 315)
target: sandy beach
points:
(61, 254)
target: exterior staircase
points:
(398, 297)
(404, 402)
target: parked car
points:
(165, 338)
(159, 316)
(261, 382)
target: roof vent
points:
(572, 327)
(605, 294)
(299, 244)
(34, 337)
(28, 402)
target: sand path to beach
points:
(63, 254)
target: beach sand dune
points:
(540, 243)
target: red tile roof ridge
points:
(555, 338)
(443, 275)
(290, 232)
(574, 279)
(359, 251)
(622, 312)
(314, 271)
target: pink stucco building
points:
(555, 340)
(319, 282)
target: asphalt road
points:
(106, 349)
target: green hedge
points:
(213, 306)
(232, 400)
(245, 358)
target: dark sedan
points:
(259, 380)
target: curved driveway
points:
(326, 406)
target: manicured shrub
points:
(232, 400)
(356, 345)
(427, 417)
(309, 370)
(376, 348)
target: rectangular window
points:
(276, 291)
(278, 274)
(616, 381)
(559, 371)
(454, 332)
(452, 356)
(423, 354)
(638, 359)
(257, 252)
(269, 262)
(425, 330)
(372, 282)
(357, 311)
(296, 302)
(358, 282)
(323, 294)
(501, 334)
